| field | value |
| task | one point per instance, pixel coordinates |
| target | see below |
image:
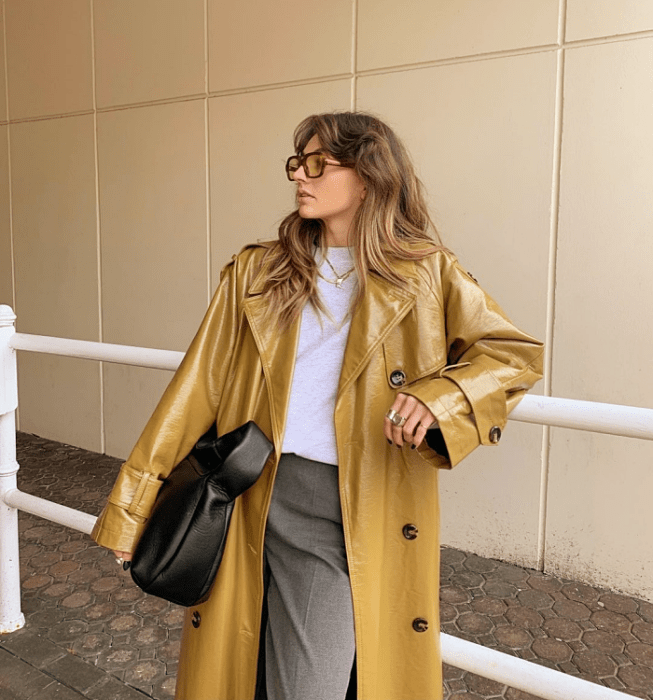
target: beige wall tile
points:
(48, 57)
(394, 34)
(153, 224)
(603, 327)
(257, 43)
(59, 399)
(149, 50)
(154, 245)
(489, 504)
(599, 520)
(482, 138)
(6, 284)
(3, 77)
(130, 396)
(595, 18)
(55, 227)
(481, 135)
(250, 139)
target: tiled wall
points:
(142, 144)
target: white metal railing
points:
(503, 668)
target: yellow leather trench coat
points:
(442, 340)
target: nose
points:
(299, 175)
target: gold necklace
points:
(339, 278)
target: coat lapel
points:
(277, 350)
(382, 308)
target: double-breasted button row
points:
(410, 531)
(495, 434)
(420, 624)
(397, 377)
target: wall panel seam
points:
(355, 74)
(98, 234)
(354, 55)
(551, 285)
(9, 190)
(207, 153)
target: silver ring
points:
(395, 418)
(119, 560)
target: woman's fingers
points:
(418, 420)
(127, 556)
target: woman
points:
(346, 340)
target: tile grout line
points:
(386, 70)
(551, 285)
(98, 231)
(207, 153)
(354, 55)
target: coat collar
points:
(381, 309)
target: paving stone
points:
(643, 631)
(75, 672)
(603, 641)
(32, 648)
(165, 689)
(524, 617)
(145, 673)
(607, 620)
(483, 686)
(447, 613)
(580, 592)
(117, 657)
(552, 650)
(451, 556)
(572, 610)
(91, 644)
(500, 589)
(548, 584)
(454, 595)
(57, 691)
(641, 654)
(636, 677)
(20, 678)
(467, 579)
(513, 637)
(618, 603)
(489, 606)
(595, 662)
(531, 598)
(67, 631)
(560, 628)
(113, 689)
(473, 623)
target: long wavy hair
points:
(391, 219)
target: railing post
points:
(11, 617)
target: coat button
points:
(398, 378)
(410, 531)
(197, 619)
(495, 434)
(420, 624)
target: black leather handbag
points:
(181, 547)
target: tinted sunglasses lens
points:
(292, 164)
(314, 165)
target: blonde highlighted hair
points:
(390, 220)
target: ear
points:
(363, 193)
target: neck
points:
(336, 234)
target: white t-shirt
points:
(310, 428)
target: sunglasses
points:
(313, 164)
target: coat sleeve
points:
(185, 412)
(491, 364)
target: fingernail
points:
(399, 446)
(389, 441)
(126, 565)
(412, 447)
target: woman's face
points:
(334, 197)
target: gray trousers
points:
(307, 644)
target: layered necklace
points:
(340, 278)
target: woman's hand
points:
(418, 420)
(125, 556)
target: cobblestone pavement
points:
(91, 633)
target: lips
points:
(301, 194)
